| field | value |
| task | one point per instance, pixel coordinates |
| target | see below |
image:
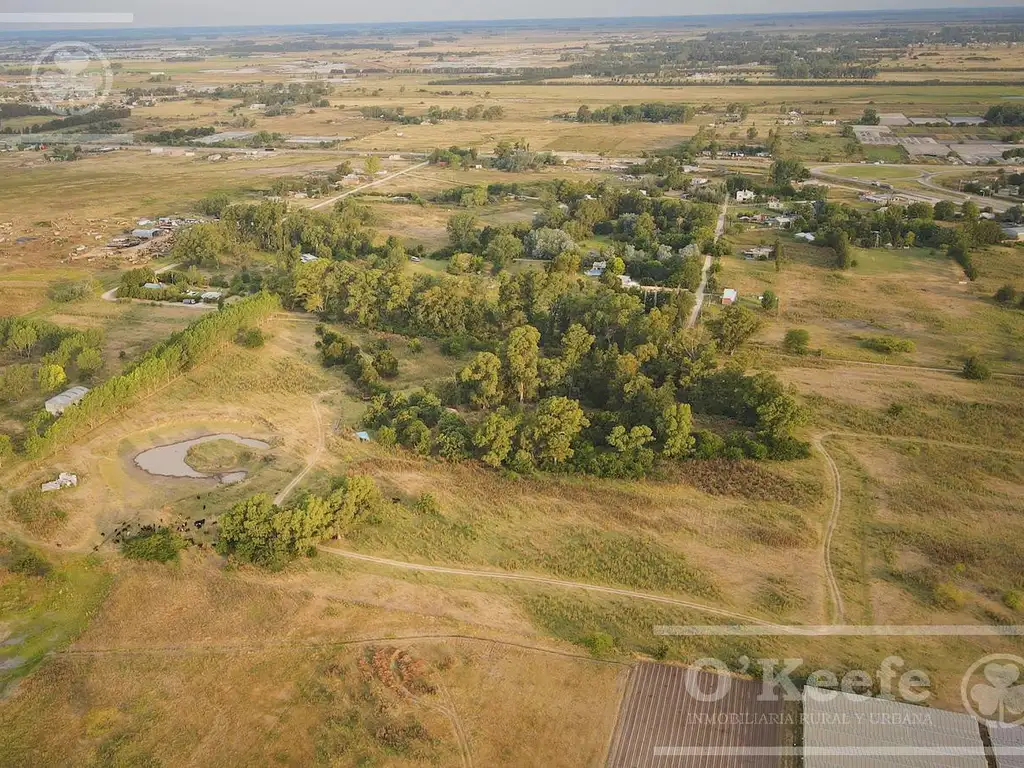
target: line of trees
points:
(647, 112)
(182, 351)
(259, 532)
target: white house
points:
(307, 257)
(597, 269)
(745, 195)
(807, 237)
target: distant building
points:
(364, 437)
(64, 480)
(805, 236)
(758, 253)
(307, 257)
(145, 234)
(154, 286)
(211, 296)
(745, 195)
(597, 269)
(58, 403)
(729, 296)
(628, 282)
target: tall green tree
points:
(733, 326)
(494, 435)
(481, 380)
(521, 356)
(553, 427)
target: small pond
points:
(169, 460)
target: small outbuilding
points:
(729, 296)
(64, 480)
(57, 404)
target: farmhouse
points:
(58, 403)
(597, 269)
(745, 195)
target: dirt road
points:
(314, 457)
(361, 187)
(832, 585)
(506, 576)
(695, 312)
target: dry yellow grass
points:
(200, 666)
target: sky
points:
(178, 13)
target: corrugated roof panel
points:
(850, 731)
(1007, 744)
(661, 724)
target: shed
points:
(363, 437)
(64, 480)
(58, 403)
(145, 234)
(729, 296)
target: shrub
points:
(66, 291)
(975, 368)
(160, 545)
(948, 595)
(19, 558)
(796, 341)
(1014, 599)
(37, 511)
(252, 338)
(889, 345)
(600, 643)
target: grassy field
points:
(915, 294)
(108, 661)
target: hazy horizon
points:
(199, 13)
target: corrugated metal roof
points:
(661, 724)
(58, 403)
(850, 731)
(1007, 744)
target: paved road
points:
(827, 172)
(361, 187)
(719, 229)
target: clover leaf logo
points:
(993, 688)
(71, 78)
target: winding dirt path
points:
(314, 457)
(506, 576)
(838, 610)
